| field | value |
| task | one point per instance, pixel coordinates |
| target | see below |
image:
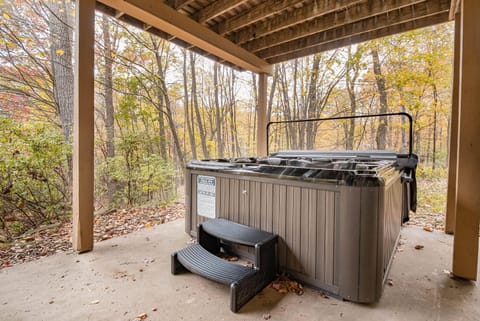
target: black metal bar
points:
(410, 140)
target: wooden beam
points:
(216, 8)
(288, 19)
(426, 10)
(338, 19)
(454, 8)
(369, 35)
(465, 244)
(83, 126)
(453, 144)
(262, 115)
(118, 15)
(163, 17)
(263, 10)
(179, 4)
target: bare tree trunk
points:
(108, 87)
(255, 100)
(434, 147)
(61, 53)
(312, 101)
(186, 106)
(109, 109)
(404, 132)
(61, 62)
(161, 125)
(351, 77)
(233, 118)
(160, 102)
(201, 130)
(218, 111)
(163, 96)
(381, 138)
(272, 93)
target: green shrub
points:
(33, 175)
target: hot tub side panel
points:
(391, 203)
(337, 238)
(357, 253)
(303, 215)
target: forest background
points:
(159, 106)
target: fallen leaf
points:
(6, 264)
(282, 291)
(390, 282)
(419, 247)
(6, 16)
(60, 52)
(154, 309)
(148, 225)
(95, 302)
(142, 316)
(428, 229)
(276, 286)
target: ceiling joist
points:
(253, 34)
(261, 11)
(415, 12)
(216, 8)
(335, 19)
(161, 16)
(369, 35)
(288, 19)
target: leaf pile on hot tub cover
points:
(284, 285)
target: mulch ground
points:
(50, 239)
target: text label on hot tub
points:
(206, 194)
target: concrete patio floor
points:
(130, 275)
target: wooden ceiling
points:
(253, 34)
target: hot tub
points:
(337, 214)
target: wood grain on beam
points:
(163, 17)
(334, 20)
(179, 4)
(216, 8)
(288, 19)
(368, 35)
(261, 11)
(465, 242)
(83, 127)
(453, 143)
(454, 8)
(411, 13)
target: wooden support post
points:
(453, 145)
(465, 245)
(83, 128)
(262, 115)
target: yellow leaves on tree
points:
(60, 52)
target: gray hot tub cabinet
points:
(334, 237)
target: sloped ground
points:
(129, 276)
(55, 238)
(432, 198)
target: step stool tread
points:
(198, 260)
(236, 233)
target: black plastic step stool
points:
(244, 281)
